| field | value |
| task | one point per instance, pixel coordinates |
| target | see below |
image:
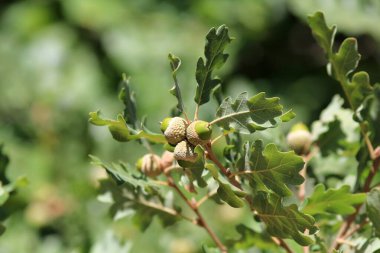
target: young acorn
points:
(150, 165)
(174, 129)
(184, 151)
(299, 139)
(198, 132)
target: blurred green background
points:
(60, 60)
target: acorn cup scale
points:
(150, 165)
(174, 129)
(198, 132)
(184, 151)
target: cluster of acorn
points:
(183, 137)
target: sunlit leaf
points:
(216, 41)
(175, 63)
(333, 201)
(120, 130)
(247, 115)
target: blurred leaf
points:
(248, 115)
(373, 209)
(288, 116)
(323, 34)
(218, 94)
(216, 41)
(132, 193)
(175, 63)
(206, 249)
(250, 238)
(120, 130)
(4, 161)
(330, 141)
(333, 201)
(284, 221)
(110, 244)
(231, 197)
(269, 169)
(124, 173)
(128, 98)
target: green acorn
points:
(174, 129)
(150, 165)
(184, 151)
(299, 139)
(198, 132)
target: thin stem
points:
(201, 221)
(196, 112)
(211, 156)
(206, 197)
(166, 210)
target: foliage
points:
(261, 178)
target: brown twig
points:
(201, 221)
(282, 244)
(211, 156)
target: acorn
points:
(299, 139)
(150, 165)
(184, 151)
(174, 129)
(198, 132)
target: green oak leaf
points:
(269, 169)
(128, 98)
(128, 199)
(231, 197)
(247, 115)
(288, 116)
(284, 221)
(323, 34)
(359, 88)
(332, 201)
(331, 140)
(373, 209)
(226, 191)
(124, 173)
(120, 130)
(346, 59)
(175, 63)
(216, 41)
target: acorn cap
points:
(198, 132)
(175, 129)
(184, 151)
(150, 165)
